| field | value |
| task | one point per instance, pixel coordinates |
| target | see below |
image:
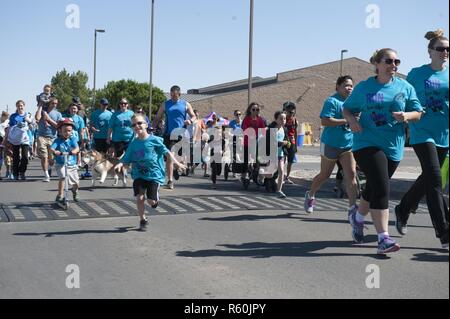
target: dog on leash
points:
(103, 165)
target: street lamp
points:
(342, 58)
(151, 61)
(250, 55)
(95, 61)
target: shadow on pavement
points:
(431, 257)
(250, 218)
(118, 230)
(301, 249)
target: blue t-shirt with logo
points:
(63, 145)
(147, 159)
(100, 120)
(341, 136)
(17, 118)
(376, 102)
(78, 122)
(47, 130)
(432, 91)
(120, 124)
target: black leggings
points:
(20, 159)
(429, 183)
(378, 170)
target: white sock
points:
(381, 236)
(46, 174)
(360, 218)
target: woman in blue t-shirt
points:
(120, 132)
(337, 140)
(429, 138)
(385, 103)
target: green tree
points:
(66, 86)
(136, 93)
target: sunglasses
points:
(123, 103)
(255, 110)
(138, 124)
(237, 114)
(442, 49)
(390, 61)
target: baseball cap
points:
(104, 101)
(76, 100)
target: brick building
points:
(308, 87)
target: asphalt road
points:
(204, 243)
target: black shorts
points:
(100, 145)
(291, 152)
(143, 187)
(120, 148)
(170, 143)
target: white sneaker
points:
(288, 181)
(280, 194)
(46, 179)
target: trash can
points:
(300, 140)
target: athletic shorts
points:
(291, 152)
(332, 153)
(169, 143)
(100, 145)
(149, 188)
(120, 148)
(72, 173)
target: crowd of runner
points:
(364, 127)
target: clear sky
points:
(200, 43)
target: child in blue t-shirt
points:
(146, 155)
(66, 143)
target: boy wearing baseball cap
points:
(66, 143)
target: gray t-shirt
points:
(45, 129)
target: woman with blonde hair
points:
(429, 138)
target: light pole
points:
(342, 59)
(95, 62)
(151, 61)
(250, 55)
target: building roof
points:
(191, 97)
(239, 85)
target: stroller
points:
(340, 188)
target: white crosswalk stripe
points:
(119, 210)
(17, 214)
(174, 206)
(204, 202)
(98, 209)
(223, 203)
(39, 213)
(240, 202)
(61, 214)
(256, 202)
(79, 210)
(271, 200)
(190, 205)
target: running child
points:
(146, 154)
(66, 143)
